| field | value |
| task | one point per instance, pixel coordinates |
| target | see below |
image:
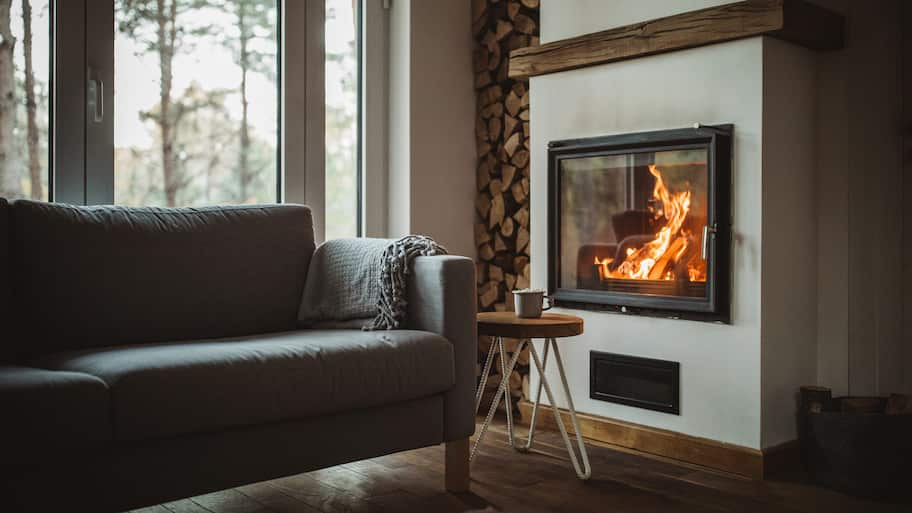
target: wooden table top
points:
(549, 325)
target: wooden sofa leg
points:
(457, 465)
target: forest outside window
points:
(179, 103)
(196, 102)
(24, 93)
(343, 115)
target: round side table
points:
(550, 327)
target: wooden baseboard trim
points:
(731, 458)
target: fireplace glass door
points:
(634, 225)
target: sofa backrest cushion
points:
(7, 335)
(103, 276)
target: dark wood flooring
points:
(542, 481)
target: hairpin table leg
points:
(528, 445)
(584, 471)
(501, 390)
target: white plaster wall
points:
(832, 223)
(443, 123)
(432, 109)
(568, 18)
(720, 364)
(789, 278)
(862, 346)
(399, 167)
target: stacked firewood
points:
(502, 149)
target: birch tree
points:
(253, 49)
(7, 102)
(31, 106)
(159, 28)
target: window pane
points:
(195, 102)
(24, 64)
(342, 115)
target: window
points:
(185, 103)
(343, 114)
(24, 106)
(195, 102)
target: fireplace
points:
(640, 223)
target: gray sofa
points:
(153, 354)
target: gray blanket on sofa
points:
(355, 283)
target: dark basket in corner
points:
(863, 454)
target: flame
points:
(658, 258)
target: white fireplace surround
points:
(737, 381)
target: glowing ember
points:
(673, 254)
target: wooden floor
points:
(505, 481)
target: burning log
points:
(671, 254)
(667, 260)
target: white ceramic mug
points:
(529, 303)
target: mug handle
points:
(550, 303)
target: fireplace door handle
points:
(707, 232)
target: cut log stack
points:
(502, 149)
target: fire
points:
(670, 251)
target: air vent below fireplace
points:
(634, 381)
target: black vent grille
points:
(634, 381)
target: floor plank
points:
(275, 499)
(185, 506)
(541, 481)
(230, 501)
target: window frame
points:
(81, 164)
(374, 140)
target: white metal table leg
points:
(484, 373)
(501, 389)
(528, 445)
(586, 471)
(505, 378)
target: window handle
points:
(95, 96)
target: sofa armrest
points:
(442, 300)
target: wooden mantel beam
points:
(796, 21)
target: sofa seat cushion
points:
(161, 390)
(47, 411)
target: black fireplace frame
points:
(717, 140)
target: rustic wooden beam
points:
(792, 20)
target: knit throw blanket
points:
(361, 282)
